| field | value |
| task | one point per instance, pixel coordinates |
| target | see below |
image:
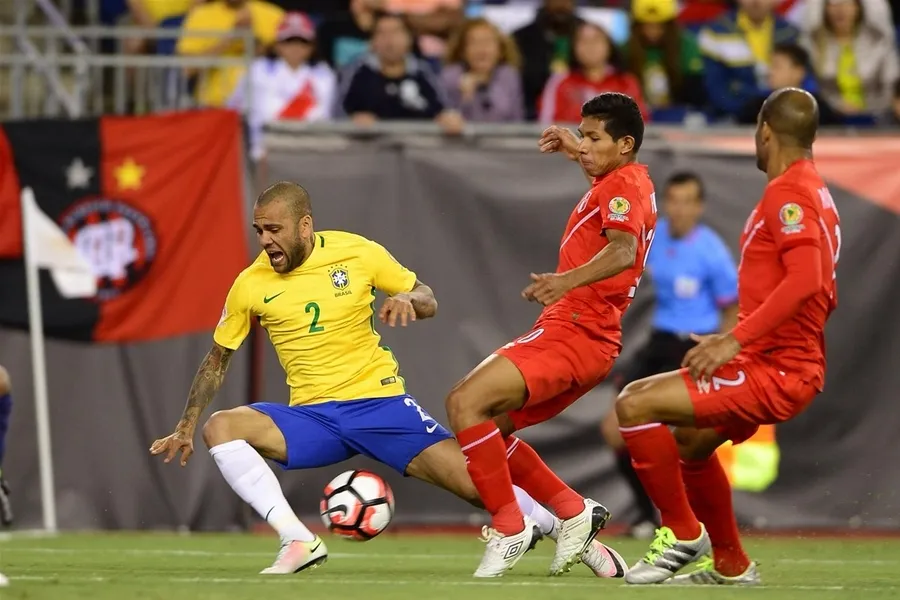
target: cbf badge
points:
(791, 216)
(619, 208)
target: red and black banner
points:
(154, 204)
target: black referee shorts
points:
(663, 352)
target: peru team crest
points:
(340, 279)
(791, 215)
(619, 207)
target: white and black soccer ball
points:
(357, 505)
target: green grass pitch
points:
(400, 567)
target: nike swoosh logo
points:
(268, 299)
(316, 548)
(431, 429)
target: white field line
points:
(365, 555)
(57, 579)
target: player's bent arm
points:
(618, 255)
(206, 384)
(802, 280)
(423, 300)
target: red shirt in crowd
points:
(565, 93)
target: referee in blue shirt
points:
(696, 292)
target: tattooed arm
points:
(207, 382)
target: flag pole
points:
(38, 364)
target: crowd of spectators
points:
(449, 61)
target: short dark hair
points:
(294, 194)
(796, 53)
(682, 177)
(381, 15)
(620, 114)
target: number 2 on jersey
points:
(313, 308)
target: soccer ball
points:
(357, 505)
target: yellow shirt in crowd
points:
(216, 85)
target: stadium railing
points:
(63, 71)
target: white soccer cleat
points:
(296, 556)
(504, 551)
(603, 561)
(3, 580)
(576, 534)
(706, 574)
(667, 556)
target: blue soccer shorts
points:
(391, 430)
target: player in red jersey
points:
(572, 345)
(766, 370)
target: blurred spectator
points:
(736, 50)
(345, 37)
(854, 52)
(895, 104)
(790, 67)
(288, 86)
(262, 18)
(546, 47)
(433, 21)
(316, 9)
(664, 58)
(151, 14)
(391, 83)
(482, 74)
(596, 67)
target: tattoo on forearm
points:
(206, 383)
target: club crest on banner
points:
(117, 240)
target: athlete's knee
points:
(632, 407)
(465, 407)
(5, 383)
(220, 428)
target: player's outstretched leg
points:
(236, 439)
(494, 387)
(580, 518)
(6, 513)
(710, 496)
(644, 408)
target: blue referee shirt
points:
(694, 278)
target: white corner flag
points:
(46, 246)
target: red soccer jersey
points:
(796, 209)
(625, 200)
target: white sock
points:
(251, 478)
(543, 517)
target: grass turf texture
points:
(220, 567)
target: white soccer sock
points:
(251, 478)
(543, 517)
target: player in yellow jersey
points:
(314, 295)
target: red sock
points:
(486, 461)
(710, 495)
(654, 455)
(531, 474)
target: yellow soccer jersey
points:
(321, 318)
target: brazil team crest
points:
(340, 279)
(791, 216)
(618, 208)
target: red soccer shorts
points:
(560, 361)
(745, 393)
